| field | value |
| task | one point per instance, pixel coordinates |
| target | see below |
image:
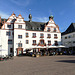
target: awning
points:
(36, 47)
(61, 46)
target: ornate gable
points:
(19, 19)
(51, 26)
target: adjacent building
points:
(68, 38)
(17, 36)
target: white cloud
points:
(21, 2)
(40, 19)
(3, 15)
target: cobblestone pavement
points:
(47, 65)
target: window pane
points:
(65, 37)
(9, 41)
(19, 44)
(20, 36)
(27, 41)
(8, 33)
(42, 42)
(48, 29)
(26, 34)
(9, 26)
(54, 28)
(49, 42)
(20, 26)
(55, 35)
(34, 41)
(49, 35)
(41, 34)
(34, 34)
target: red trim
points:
(27, 36)
(48, 37)
(54, 30)
(33, 36)
(41, 36)
(49, 44)
(55, 37)
(42, 44)
(34, 44)
(48, 30)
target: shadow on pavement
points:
(67, 61)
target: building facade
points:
(17, 36)
(68, 38)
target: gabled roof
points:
(35, 26)
(70, 29)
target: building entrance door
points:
(19, 51)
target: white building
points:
(17, 35)
(68, 38)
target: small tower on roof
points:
(30, 18)
(51, 17)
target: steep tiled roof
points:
(34, 26)
(70, 29)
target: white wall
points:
(68, 40)
(4, 42)
(23, 40)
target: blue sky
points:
(62, 10)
